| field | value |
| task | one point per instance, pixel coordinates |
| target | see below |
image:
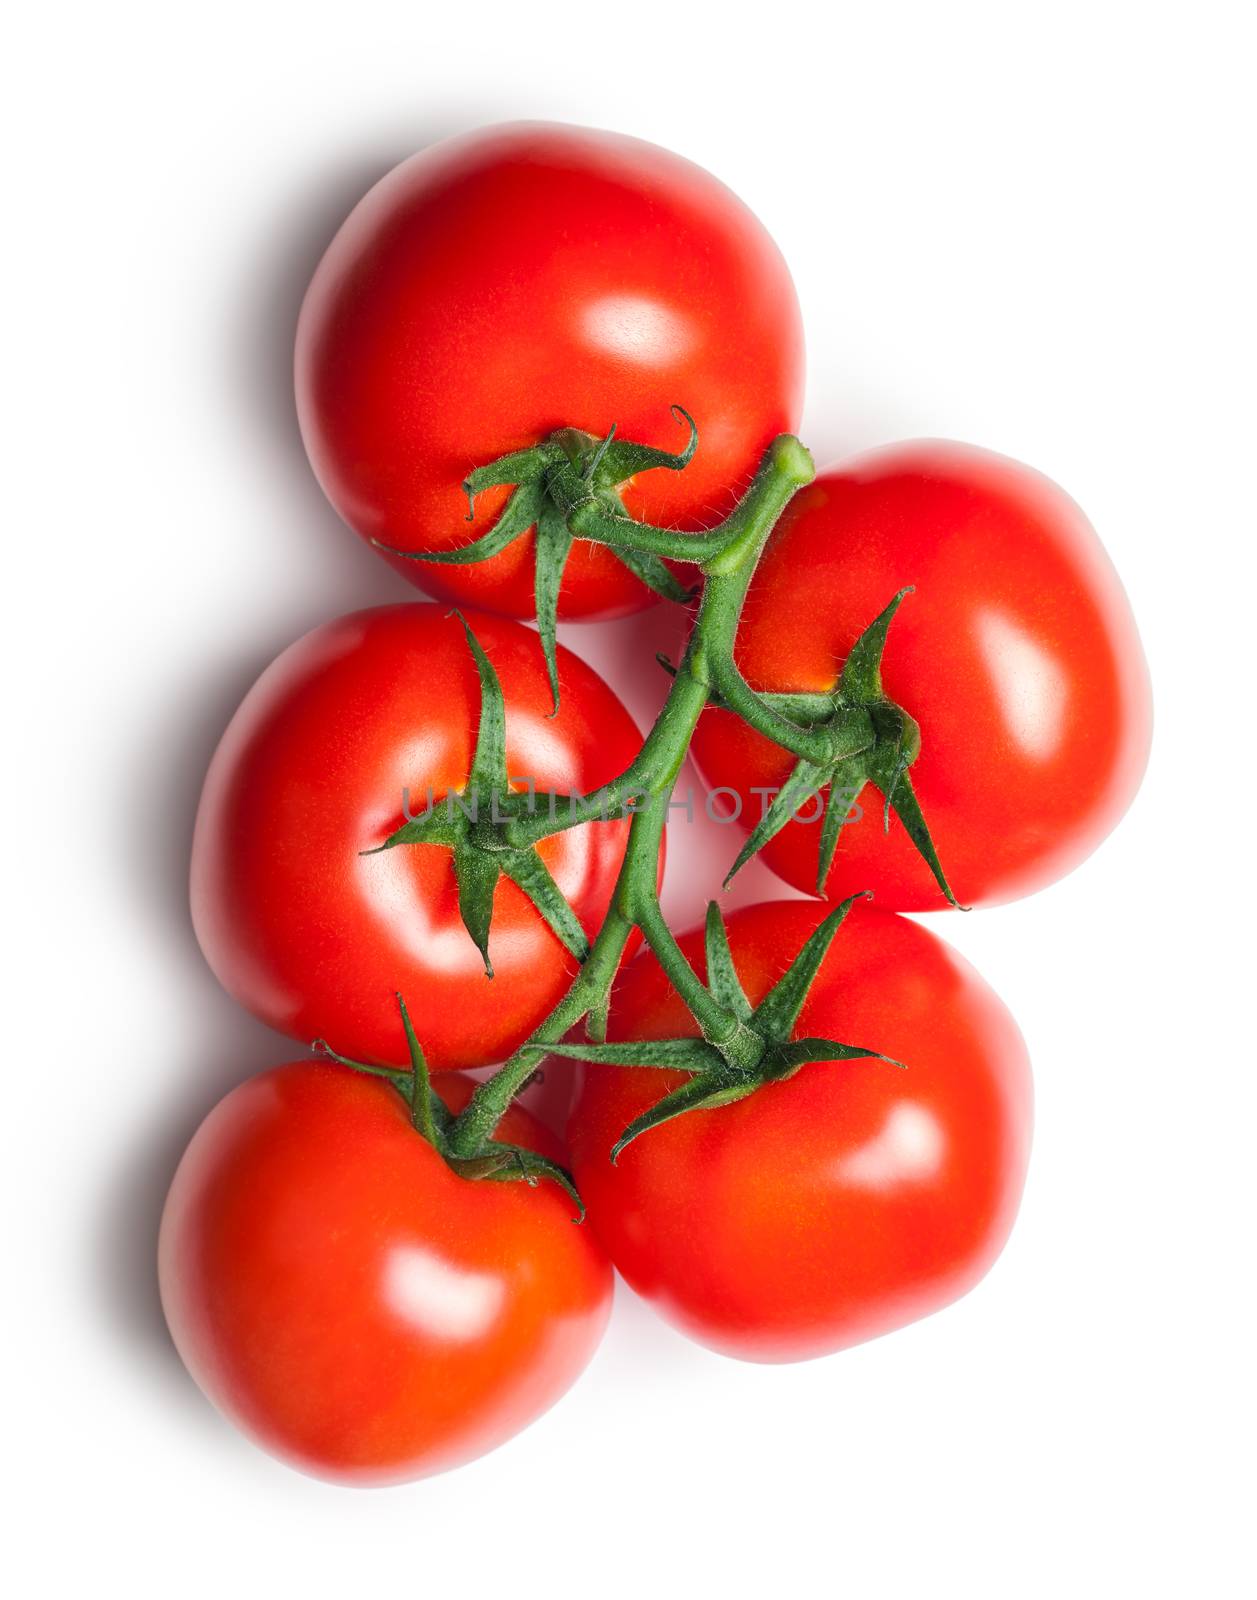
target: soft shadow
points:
(169, 763)
(171, 753)
(624, 653)
(128, 1215)
(174, 751)
(293, 248)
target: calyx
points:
(758, 1048)
(474, 823)
(873, 741)
(552, 480)
(433, 1120)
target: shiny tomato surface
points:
(529, 277)
(1017, 655)
(313, 936)
(350, 1303)
(837, 1204)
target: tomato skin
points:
(315, 938)
(529, 277)
(846, 1201)
(1018, 656)
(351, 1304)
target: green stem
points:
(811, 744)
(736, 548)
(590, 521)
(718, 1025)
(612, 800)
(482, 1113)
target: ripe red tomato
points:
(353, 1305)
(525, 278)
(1017, 655)
(315, 938)
(839, 1203)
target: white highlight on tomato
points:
(907, 1148)
(1030, 685)
(444, 1301)
(637, 328)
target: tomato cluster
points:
(430, 840)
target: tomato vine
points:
(568, 486)
(328, 1276)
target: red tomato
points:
(353, 1305)
(1017, 655)
(315, 938)
(525, 278)
(837, 1204)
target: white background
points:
(1021, 225)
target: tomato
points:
(314, 937)
(353, 1305)
(1017, 655)
(839, 1203)
(525, 278)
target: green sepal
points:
(528, 871)
(397, 1076)
(804, 782)
(477, 875)
(496, 1160)
(527, 468)
(908, 810)
(705, 1092)
(861, 679)
(436, 826)
(499, 1162)
(518, 515)
(788, 1058)
(885, 763)
(429, 1114)
(831, 827)
(846, 784)
(778, 1011)
(722, 977)
(553, 546)
(428, 1111)
(619, 460)
(488, 776)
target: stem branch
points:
(729, 555)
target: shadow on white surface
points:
(333, 572)
(127, 1216)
